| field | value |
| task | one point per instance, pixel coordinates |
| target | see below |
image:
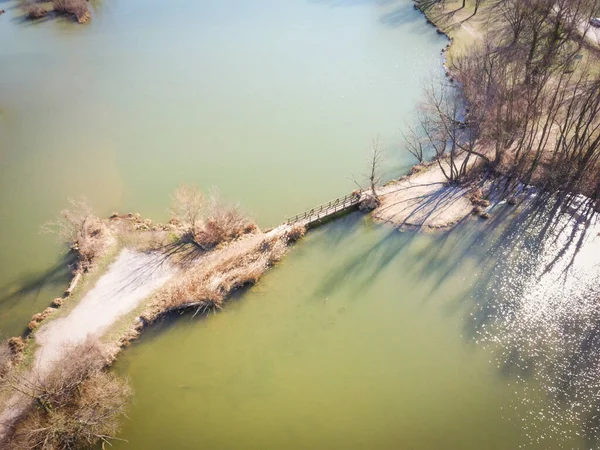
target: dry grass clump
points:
(206, 286)
(295, 233)
(82, 230)
(75, 406)
(38, 318)
(76, 8)
(223, 224)
(34, 11)
(11, 352)
(369, 203)
(476, 197)
(16, 345)
(5, 359)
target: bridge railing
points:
(325, 209)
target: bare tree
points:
(78, 227)
(375, 166)
(442, 126)
(72, 222)
(187, 205)
(414, 145)
(536, 117)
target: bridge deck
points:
(326, 210)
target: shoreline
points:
(425, 201)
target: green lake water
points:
(363, 337)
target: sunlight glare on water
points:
(543, 318)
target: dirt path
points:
(130, 279)
(424, 200)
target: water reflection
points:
(542, 313)
(32, 286)
(534, 302)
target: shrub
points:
(295, 232)
(11, 351)
(38, 318)
(35, 11)
(369, 203)
(207, 223)
(223, 223)
(16, 345)
(82, 230)
(187, 205)
(77, 8)
(76, 405)
(5, 359)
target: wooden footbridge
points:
(326, 211)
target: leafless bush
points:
(442, 126)
(207, 223)
(34, 10)
(187, 206)
(295, 232)
(414, 145)
(76, 405)
(81, 229)
(16, 345)
(72, 223)
(77, 8)
(223, 223)
(11, 351)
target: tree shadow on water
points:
(351, 3)
(30, 285)
(366, 264)
(401, 16)
(534, 299)
(535, 303)
(397, 14)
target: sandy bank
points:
(424, 200)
